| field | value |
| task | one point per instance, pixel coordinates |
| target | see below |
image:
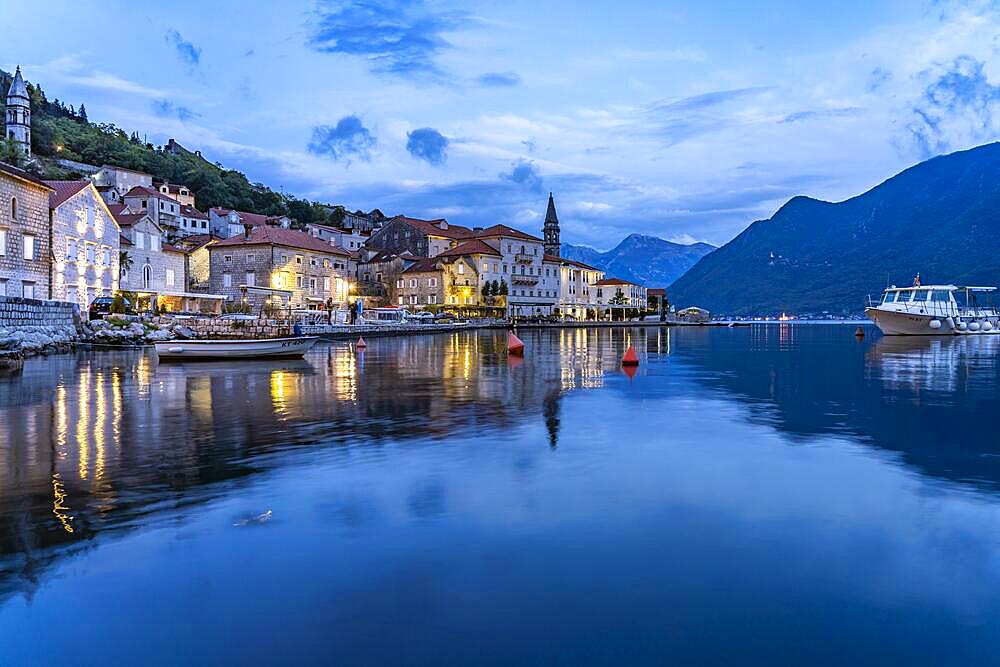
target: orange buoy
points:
(630, 358)
(630, 371)
(361, 343)
(514, 345)
(859, 332)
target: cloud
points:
(674, 121)
(820, 113)
(958, 106)
(878, 79)
(499, 79)
(167, 109)
(396, 37)
(349, 137)
(188, 53)
(427, 144)
(526, 174)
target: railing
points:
(524, 280)
(524, 258)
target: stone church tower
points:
(19, 114)
(551, 229)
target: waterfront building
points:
(198, 265)
(615, 293)
(455, 277)
(25, 257)
(282, 267)
(18, 118)
(163, 210)
(577, 295)
(228, 223)
(85, 243)
(532, 279)
(151, 267)
(422, 238)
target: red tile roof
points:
(656, 291)
(571, 262)
(15, 172)
(615, 281)
(192, 212)
(473, 247)
(504, 230)
(166, 247)
(433, 227)
(424, 265)
(116, 209)
(196, 241)
(128, 219)
(292, 238)
(64, 190)
(143, 191)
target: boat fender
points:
(962, 326)
(176, 349)
(973, 326)
(987, 326)
(935, 324)
(951, 322)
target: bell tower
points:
(19, 114)
(550, 233)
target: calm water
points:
(776, 492)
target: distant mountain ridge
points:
(646, 260)
(938, 218)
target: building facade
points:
(613, 293)
(227, 223)
(152, 266)
(577, 293)
(533, 280)
(181, 193)
(422, 238)
(85, 243)
(18, 119)
(113, 182)
(25, 254)
(164, 210)
(283, 267)
(193, 221)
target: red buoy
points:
(630, 358)
(514, 345)
(361, 343)
(860, 333)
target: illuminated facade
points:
(577, 294)
(24, 234)
(85, 243)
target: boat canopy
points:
(926, 288)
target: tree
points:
(124, 263)
(83, 114)
(494, 288)
(503, 287)
(11, 153)
(486, 291)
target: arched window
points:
(147, 275)
(13, 208)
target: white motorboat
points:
(261, 348)
(935, 310)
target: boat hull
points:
(270, 348)
(893, 323)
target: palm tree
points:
(124, 263)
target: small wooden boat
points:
(261, 348)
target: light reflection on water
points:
(748, 488)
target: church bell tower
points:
(19, 114)
(551, 230)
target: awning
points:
(266, 290)
(195, 295)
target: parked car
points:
(421, 316)
(101, 306)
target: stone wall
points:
(24, 213)
(16, 312)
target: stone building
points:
(577, 294)
(195, 247)
(181, 193)
(423, 238)
(228, 223)
(532, 278)
(283, 267)
(85, 243)
(18, 120)
(351, 240)
(421, 284)
(25, 253)
(156, 268)
(193, 221)
(164, 210)
(113, 182)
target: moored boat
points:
(261, 348)
(935, 310)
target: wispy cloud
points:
(815, 114)
(674, 121)
(167, 109)
(397, 37)
(427, 144)
(71, 69)
(499, 79)
(188, 53)
(348, 139)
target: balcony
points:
(524, 258)
(524, 280)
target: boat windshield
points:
(905, 295)
(941, 296)
(890, 297)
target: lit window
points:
(168, 277)
(3, 245)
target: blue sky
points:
(684, 120)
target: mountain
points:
(646, 260)
(938, 218)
